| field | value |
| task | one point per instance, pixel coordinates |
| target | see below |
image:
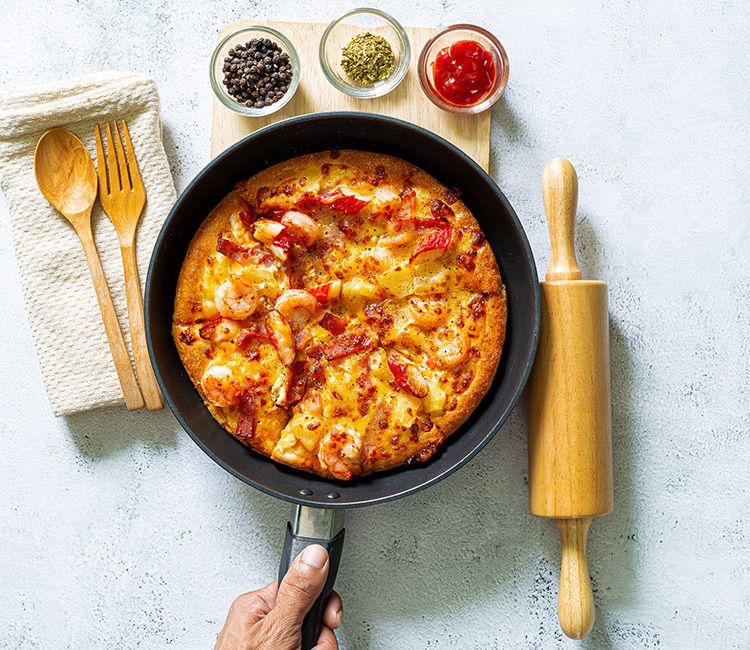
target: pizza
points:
(341, 313)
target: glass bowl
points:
(242, 36)
(340, 32)
(448, 36)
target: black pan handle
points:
(314, 526)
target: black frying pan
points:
(317, 517)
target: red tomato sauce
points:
(463, 73)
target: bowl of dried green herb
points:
(365, 53)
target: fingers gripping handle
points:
(314, 526)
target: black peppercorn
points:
(257, 73)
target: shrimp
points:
(297, 307)
(342, 451)
(235, 299)
(312, 404)
(266, 230)
(385, 200)
(281, 337)
(302, 228)
(449, 347)
(219, 386)
(397, 240)
(407, 375)
(426, 314)
(400, 232)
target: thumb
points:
(301, 585)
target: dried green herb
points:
(368, 58)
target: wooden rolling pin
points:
(570, 441)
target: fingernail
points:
(314, 556)
(339, 617)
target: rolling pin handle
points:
(560, 195)
(575, 602)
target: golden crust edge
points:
(491, 346)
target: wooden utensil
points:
(570, 446)
(67, 179)
(123, 196)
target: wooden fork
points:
(123, 196)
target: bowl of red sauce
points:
(463, 69)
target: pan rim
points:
(521, 380)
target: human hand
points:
(271, 618)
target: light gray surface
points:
(117, 532)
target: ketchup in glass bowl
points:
(463, 69)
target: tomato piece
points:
(334, 324)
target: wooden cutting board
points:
(315, 94)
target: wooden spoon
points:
(66, 177)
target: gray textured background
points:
(117, 532)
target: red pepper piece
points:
(320, 293)
(323, 293)
(437, 240)
(399, 373)
(283, 240)
(306, 203)
(404, 376)
(346, 203)
(436, 222)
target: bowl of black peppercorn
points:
(255, 71)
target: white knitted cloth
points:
(60, 300)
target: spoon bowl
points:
(65, 172)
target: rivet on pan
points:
(306, 492)
(333, 495)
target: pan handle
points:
(314, 526)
